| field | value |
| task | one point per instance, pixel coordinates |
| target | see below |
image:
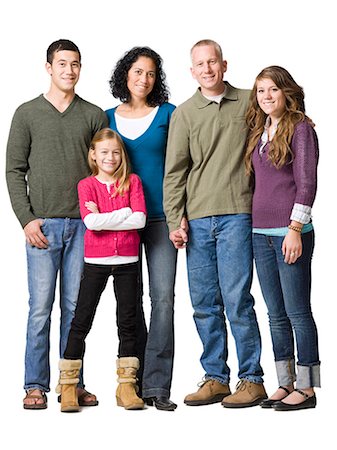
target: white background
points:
(299, 35)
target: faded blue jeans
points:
(161, 257)
(64, 256)
(219, 261)
(286, 291)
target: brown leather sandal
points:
(83, 402)
(82, 397)
(42, 395)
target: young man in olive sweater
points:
(46, 157)
(205, 182)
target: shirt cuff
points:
(301, 213)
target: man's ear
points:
(48, 68)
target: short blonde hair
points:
(204, 42)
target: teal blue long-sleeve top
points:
(147, 156)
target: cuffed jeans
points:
(286, 291)
(64, 256)
(94, 280)
(161, 257)
(219, 261)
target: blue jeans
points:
(286, 291)
(219, 261)
(161, 257)
(64, 256)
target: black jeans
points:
(126, 286)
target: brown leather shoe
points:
(246, 394)
(210, 391)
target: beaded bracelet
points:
(292, 227)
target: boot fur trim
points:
(132, 380)
(69, 370)
(128, 361)
(70, 364)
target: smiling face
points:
(108, 157)
(270, 98)
(141, 77)
(208, 69)
(64, 70)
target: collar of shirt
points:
(217, 98)
(265, 136)
(201, 101)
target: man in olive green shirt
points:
(205, 183)
(46, 157)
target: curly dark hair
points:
(118, 82)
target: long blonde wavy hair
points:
(279, 151)
(122, 173)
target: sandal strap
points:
(302, 393)
(29, 394)
(84, 394)
(285, 389)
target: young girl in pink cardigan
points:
(112, 207)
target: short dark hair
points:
(61, 44)
(118, 82)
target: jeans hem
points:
(253, 379)
(36, 386)
(155, 392)
(285, 370)
(220, 380)
(308, 376)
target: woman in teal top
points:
(142, 119)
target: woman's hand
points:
(292, 247)
(92, 207)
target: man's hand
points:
(179, 237)
(34, 235)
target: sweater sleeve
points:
(17, 166)
(177, 166)
(135, 221)
(305, 149)
(106, 221)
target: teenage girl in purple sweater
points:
(282, 156)
(112, 206)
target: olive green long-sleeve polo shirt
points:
(204, 169)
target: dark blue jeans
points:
(286, 291)
(161, 258)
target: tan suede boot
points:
(67, 387)
(246, 394)
(126, 394)
(210, 391)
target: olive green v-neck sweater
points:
(47, 156)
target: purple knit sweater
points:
(277, 190)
